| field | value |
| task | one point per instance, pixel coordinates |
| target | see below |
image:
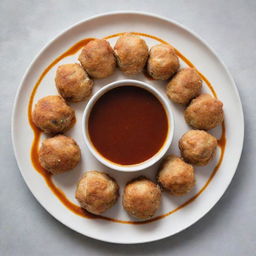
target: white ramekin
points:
(148, 162)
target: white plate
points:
(203, 58)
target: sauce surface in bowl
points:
(128, 125)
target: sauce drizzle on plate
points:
(37, 133)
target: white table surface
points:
(229, 27)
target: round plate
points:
(205, 61)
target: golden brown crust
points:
(162, 62)
(141, 198)
(184, 86)
(98, 59)
(73, 83)
(97, 192)
(131, 52)
(198, 147)
(52, 115)
(176, 176)
(204, 112)
(59, 154)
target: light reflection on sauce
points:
(47, 176)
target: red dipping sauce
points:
(128, 125)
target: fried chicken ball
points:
(52, 115)
(198, 147)
(204, 112)
(59, 154)
(131, 52)
(184, 86)
(162, 62)
(141, 198)
(98, 59)
(176, 176)
(97, 192)
(73, 83)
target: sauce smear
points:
(128, 125)
(37, 134)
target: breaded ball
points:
(59, 154)
(73, 83)
(197, 147)
(52, 115)
(131, 52)
(97, 192)
(141, 198)
(98, 59)
(184, 86)
(204, 112)
(162, 62)
(176, 176)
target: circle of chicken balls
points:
(97, 191)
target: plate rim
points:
(101, 15)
